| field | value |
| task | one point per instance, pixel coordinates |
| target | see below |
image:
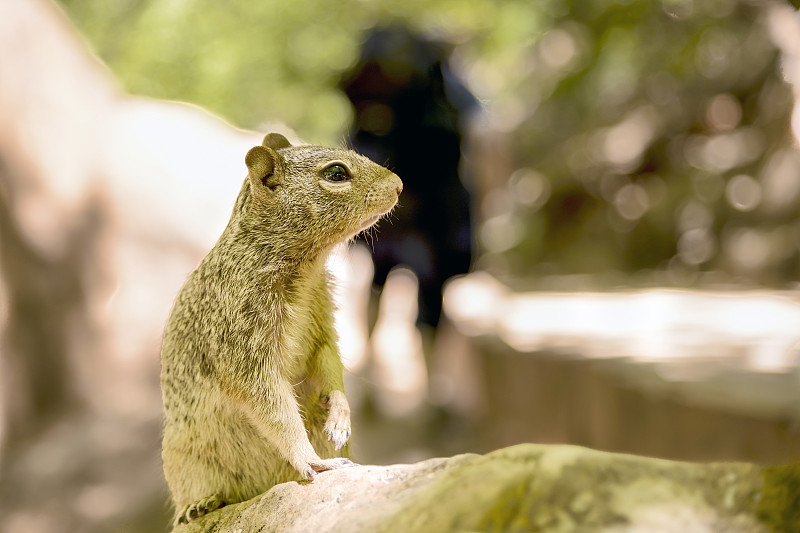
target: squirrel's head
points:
(314, 195)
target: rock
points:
(529, 487)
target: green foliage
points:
(779, 506)
(257, 61)
(658, 129)
(249, 61)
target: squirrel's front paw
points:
(337, 426)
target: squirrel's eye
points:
(336, 173)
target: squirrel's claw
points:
(324, 465)
(337, 437)
(199, 508)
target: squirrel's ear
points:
(261, 162)
(276, 141)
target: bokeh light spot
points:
(632, 201)
(723, 112)
(696, 246)
(743, 193)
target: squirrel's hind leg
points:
(199, 508)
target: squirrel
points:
(251, 375)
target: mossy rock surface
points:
(552, 488)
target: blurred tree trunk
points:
(38, 294)
(53, 95)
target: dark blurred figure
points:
(409, 113)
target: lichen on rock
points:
(553, 488)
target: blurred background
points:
(598, 242)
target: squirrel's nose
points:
(399, 187)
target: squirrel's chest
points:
(299, 333)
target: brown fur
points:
(251, 374)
